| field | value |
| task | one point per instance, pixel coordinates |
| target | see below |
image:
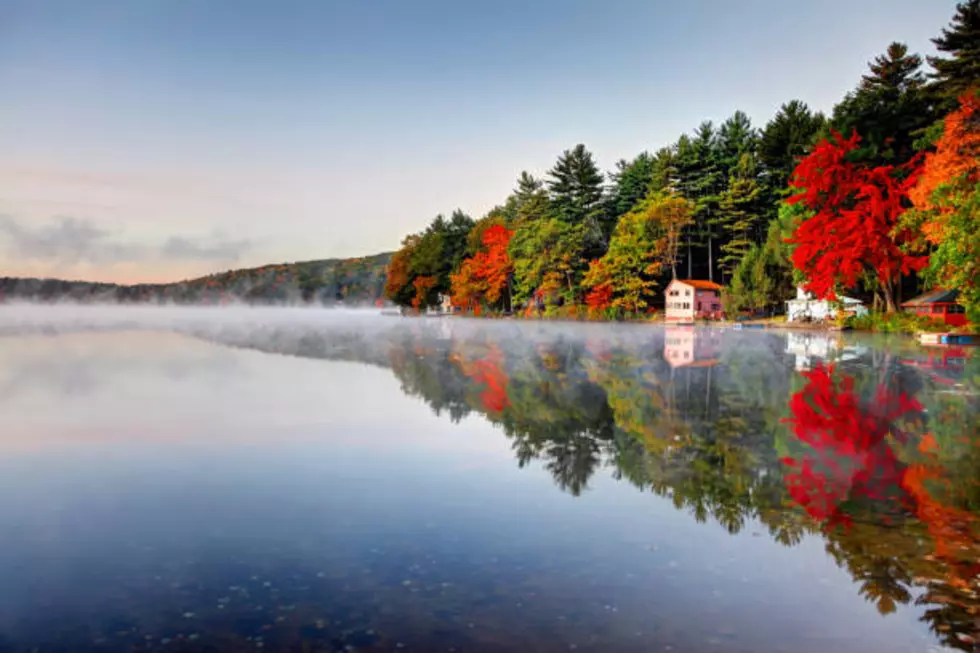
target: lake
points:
(314, 480)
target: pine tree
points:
(740, 210)
(785, 140)
(736, 136)
(630, 184)
(700, 181)
(889, 108)
(961, 70)
(531, 199)
(576, 194)
(664, 171)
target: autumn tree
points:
(947, 203)
(398, 286)
(854, 228)
(485, 277)
(643, 246)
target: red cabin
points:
(939, 305)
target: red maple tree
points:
(854, 229)
(847, 452)
(486, 273)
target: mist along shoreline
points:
(877, 324)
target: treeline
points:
(357, 281)
(877, 198)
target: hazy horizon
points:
(153, 142)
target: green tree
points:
(890, 108)
(575, 183)
(630, 184)
(664, 171)
(531, 199)
(700, 180)
(739, 213)
(548, 259)
(960, 71)
(785, 139)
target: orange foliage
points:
(951, 529)
(466, 287)
(955, 159)
(422, 287)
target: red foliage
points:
(493, 264)
(487, 272)
(857, 209)
(600, 297)
(490, 374)
(849, 455)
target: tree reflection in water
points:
(866, 444)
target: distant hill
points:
(352, 281)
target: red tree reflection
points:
(848, 455)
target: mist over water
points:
(201, 479)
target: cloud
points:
(179, 248)
(68, 241)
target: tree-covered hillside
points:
(354, 281)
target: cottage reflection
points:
(688, 346)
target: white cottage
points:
(807, 308)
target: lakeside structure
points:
(688, 300)
(940, 304)
(807, 308)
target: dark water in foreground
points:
(303, 481)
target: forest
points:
(353, 281)
(879, 199)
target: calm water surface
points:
(181, 480)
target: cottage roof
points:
(700, 284)
(939, 296)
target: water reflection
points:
(870, 446)
(808, 433)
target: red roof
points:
(699, 284)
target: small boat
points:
(931, 338)
(960, 339)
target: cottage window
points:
(955, 309)
(937, 309)
(716, 307)
(687, 293)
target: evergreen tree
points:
(531, 199)
(736, 136)
(700, 180)
(630, 184)
(455, 233)
(889, 108)
(664, 171)
(576, 193)
(740, 209)
(785, 140)
(960, 71)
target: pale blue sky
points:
(154, 139)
